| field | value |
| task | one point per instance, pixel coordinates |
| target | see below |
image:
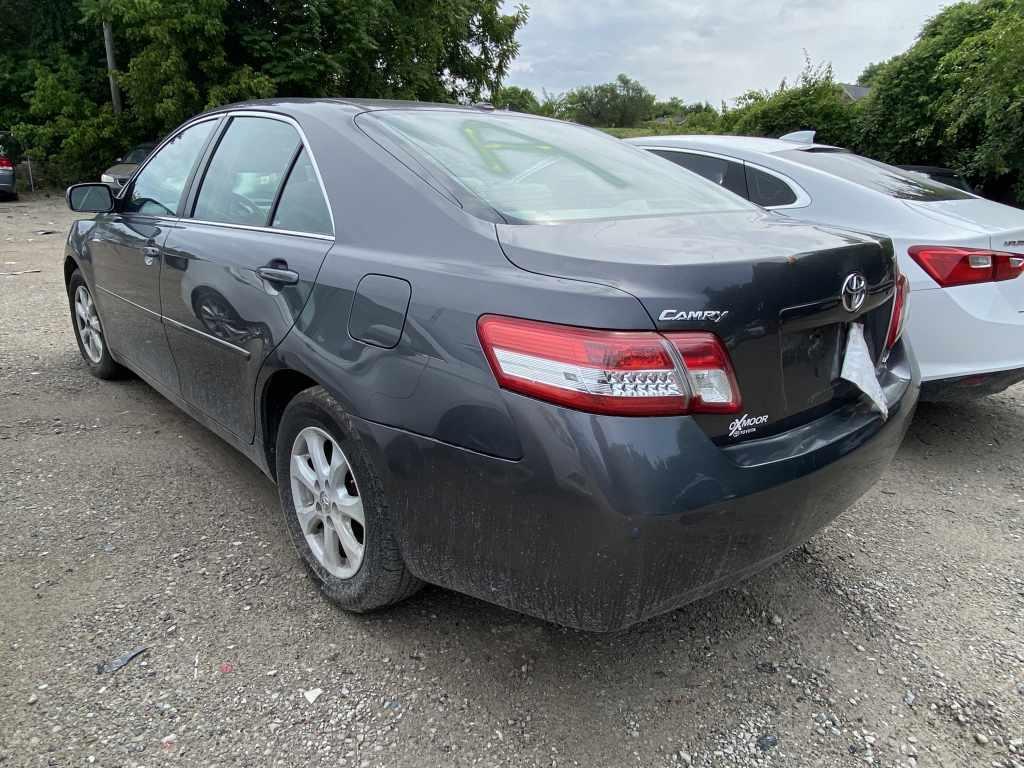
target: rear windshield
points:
(532, 170)
(888, 179)
(137, 155)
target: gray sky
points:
(707, 49)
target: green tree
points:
(814, 102)
(179, 57)
(870, 73)
(983, 109)
(954, 98)
(516, 99)
(623, 103)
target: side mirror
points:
(90, 198)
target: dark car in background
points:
(507, 355)
(946, 176)
(122, 169)
(8, 173)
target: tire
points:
(93, 347)
(368, 579)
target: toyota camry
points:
(503, 354)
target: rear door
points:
(241, 264)
(125, 248)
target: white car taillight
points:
(624, 373)
(950, 266)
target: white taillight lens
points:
(622, 373)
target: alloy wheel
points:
(327, 502)
(88, 322)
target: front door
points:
(238, 270)
(126, 256)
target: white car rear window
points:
(888, 179)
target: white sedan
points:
(962, 254)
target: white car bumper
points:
(971, 329)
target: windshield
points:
(888, 179)
(532, 170)
(137, 155)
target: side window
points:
(723, 172)
(767, 190)
(302, 207)
(242, 179)
(158, 188)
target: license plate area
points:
(812, 360)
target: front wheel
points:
(89, 330)
(335, 507)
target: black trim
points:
(195, 181)
(969, 387)
(208, 337)
(284, 183)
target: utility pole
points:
(108, 42)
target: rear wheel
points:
(89, 330)
(335, 507)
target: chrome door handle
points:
(150, 254)
(278, 276)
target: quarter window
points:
(241, 181)
(302, 207)
(159, 186)
(768, 190)
(725, 173)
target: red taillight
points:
(900, 306)
(966, 266)
(712, 380)
(5, 162)
(623, 373)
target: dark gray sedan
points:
(507, 355)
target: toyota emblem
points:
(855, 290)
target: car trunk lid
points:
(769, 287)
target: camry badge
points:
(713, 315)
(855, 290)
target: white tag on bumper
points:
(859, 369)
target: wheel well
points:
(69, 269)
(279, 391)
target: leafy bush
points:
(955, 98)
(815, 102)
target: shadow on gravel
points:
(732, 623)
(958, 429)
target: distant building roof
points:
(855, 92)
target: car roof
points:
(356, 105)
(712, 142)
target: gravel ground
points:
(894, 638)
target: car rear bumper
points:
(968, 330)
(7, 181)
(606, 521)
(972, 386)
